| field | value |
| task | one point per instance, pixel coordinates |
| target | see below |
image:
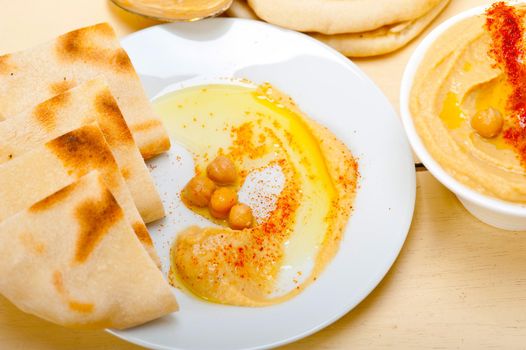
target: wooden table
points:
(457, 283)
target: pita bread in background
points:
(378, 41)
(87, 103)
(59, 162)
(383, 40)
(342, 16)
(34, 75)
(86, 267)
(240, 9)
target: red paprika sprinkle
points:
(505, 25)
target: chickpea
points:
(222, 200)
(198, 191)
(218, 214)
(487, 123)
(240, 217)
(222, 171)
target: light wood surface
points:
(457, 283)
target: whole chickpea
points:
(198, 191)
(222, 170)
(487, 123)
(240, 216)
(218, 214)
(221, 201)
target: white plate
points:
(330, 89)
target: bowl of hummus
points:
(463, 106)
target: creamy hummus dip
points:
(180, 10)
(465, 79)
(260, 129)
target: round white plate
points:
(333, 91)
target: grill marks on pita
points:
(6, 67)
(61, 86)
(81, 45)
(45, 113)
(50, 201)
(95, 218)
(74, 305)
(114, 126)
(82, 150)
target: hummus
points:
(180, 10)
(457, 79)
(261, 129)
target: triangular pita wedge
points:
(339, 16)
(383, 40)
(34, 75)
(51, 166)
(87, 103)
(72, 259)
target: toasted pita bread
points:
(89, 102)
(342, 16)
(51, 166)
(72, 259)
(383, 40)
(34, 75)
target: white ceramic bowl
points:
(492, 211)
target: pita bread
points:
(72, 259)
(51, 166)
(383, 40)
(341, 16)
(89, 102)
(240, 9)
(34, 75)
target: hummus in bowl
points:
(461, 104)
